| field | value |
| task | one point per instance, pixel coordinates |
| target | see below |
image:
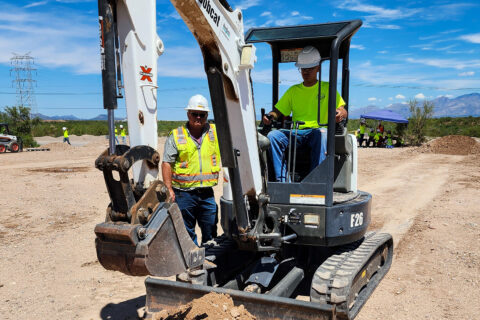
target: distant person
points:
(380, 127)
(378, 138)
(371, 138)
(361, 136)
(116, 135)
(65, 135)
(389, 142)
(123, 134)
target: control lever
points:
(297, 125)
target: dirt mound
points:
(59, 146)
(210, 306)
(454, 145)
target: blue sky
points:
(404, 50)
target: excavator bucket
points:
(164, 294)
(143, 233)
(161, 247)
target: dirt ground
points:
(51, 201)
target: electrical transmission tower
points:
(21, 70)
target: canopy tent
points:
(385, 115)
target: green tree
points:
(418, 120)
(20, 123)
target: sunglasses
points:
(198, 114)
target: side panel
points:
(140, 48)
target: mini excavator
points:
(283, 242)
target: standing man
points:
(361, 136)
(116, 135)
(65, 135)
(123, 134)
(301, 100)
(190, 168)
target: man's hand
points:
(341, 114)
(267, 119)
(172, 195)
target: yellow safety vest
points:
(122, 133)
(196, 166)
(116, 132)
(65, 134)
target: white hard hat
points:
(121, 126)
(198, 103)
(308, 58)
(64, 128)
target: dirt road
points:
(52, 200)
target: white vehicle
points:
(307, 237)
(9, 141)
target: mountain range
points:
(461, 106)
(101, 117)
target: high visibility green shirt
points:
(302, 102)
(196, 166)
(123, 133)
(65, 134)
(362, 129)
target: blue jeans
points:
(316, 139)
(198, 205)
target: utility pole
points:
(21, 72)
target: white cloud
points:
(447, 63)
(420, 96)
(55, 40)
(35, 4)
(473, 38)
(399, 96)
(388, 26)
(372, 99)
(377, 14)
(357, 46)
(467, 74)
(383, 52)
(182, 62)
(245, 4)
(283, 19)
(390, 98)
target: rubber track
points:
(333, 279)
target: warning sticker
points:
(307, 199)
(146, 73)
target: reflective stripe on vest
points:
(196, 165)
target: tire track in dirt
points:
(404, 189)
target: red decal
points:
(146, 74)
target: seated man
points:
(302, 101)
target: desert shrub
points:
(416, 130)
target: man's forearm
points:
(167, 174)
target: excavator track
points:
(347, 278)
